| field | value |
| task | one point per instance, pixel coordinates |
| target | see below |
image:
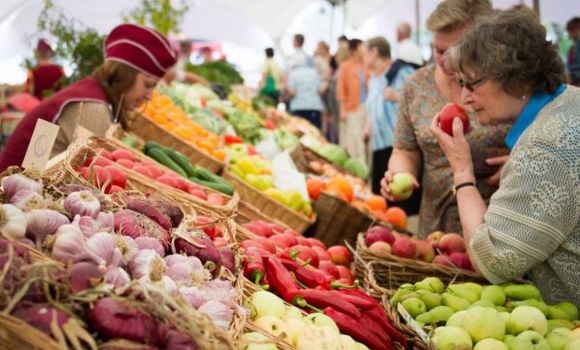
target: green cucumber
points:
(163, 158)
(220, 187)
(149, 145)
(180, 160)
(206, 175)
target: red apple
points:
(306, 254)
(340, 255)
(404, 247)
(426, 252)
(284, 240)
(329, 267)
(461, 260)
(452, 243)
(448, 114)
(303, 241)
(322, 253)
(345, 273)
(442, 260)
(316, 243)
(381, 247)
(379, 233)
(434, 238)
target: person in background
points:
(381, 104)
(322, 64)
(180, 72)
(45, 78)
(206, 55)
(332, 131)
(136, 59)
(424, 94)
(573, 61)
(304, 87)
(343, 42)
(407, 50)
(351, 93)
(272, 76)
(512, 75)
(299, 53)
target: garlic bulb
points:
(70, 245)
(43, 222)
(128, 248)
(167, 283)
(117, 276)
(14, 183)
(82, 203)
(105, 222)
(104, 245)
(192, 295)
(150, 243)
(12, 222)
(28, 200)
(147, 263)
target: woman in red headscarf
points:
(46, 78)
(136, 58)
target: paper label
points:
(82, 134)
(40, 146)
(411, 322)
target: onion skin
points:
(143, 206)
(180, 341)
(70, 188)
(203, 249)
(16, 182)
(172, 211)
(82, 274)
(40, 317)
(132, 224)
(228, 258)
(117, 320)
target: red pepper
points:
(254, 268)
(288, 254)
(378, 315)
(281, 280)
(323, 299)
(359, 331)
(360, 303)
(311, 278)
(231, 139)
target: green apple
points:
(321, 320)
(264, 303)
(257, 341)
(274, 326)
(490, 344)
(501, 309)
(530, 340)
(431, 284)
(505, 316)
(456, 320)
(347, 342)
(566, 311)
(295, 327)
(522, 292)
(483, 322)
(401, 186)
(495, 294)
(573, 345)
(440, 313)
(414, 307)
(508, 340)
(431, 300)
(553, 324)
(447, 338)
(315, 337)
(455, 302)
(293, 312)
(558, 338)
(540, 305)
(527, 318)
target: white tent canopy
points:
(251, 24)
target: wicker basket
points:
(269, 206)
(247, 213)
(117, 133)
(148, 130)
(382, 274)
(302, 156)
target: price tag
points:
(411, 322)
(40, 146)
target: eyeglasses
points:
(470, 86)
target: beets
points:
(200, 245)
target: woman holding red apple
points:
(511, 75)
(415, 148)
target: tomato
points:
(123, 154)
(117, 176)
(450, 112)
(100, 177)
(125, 163)
(143, 170)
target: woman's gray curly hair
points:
(511, 49)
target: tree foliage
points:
(158, 14)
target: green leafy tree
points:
(158, 14)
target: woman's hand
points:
(456, 149)
(495, 161)
(386, 190)
(391, 94)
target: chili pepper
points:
(323, 299)
(312, 278)
(288, 254)
(281, 280)
(254, 268)
(231, 139)
(359, 331)
(378, 315)
(360, 303)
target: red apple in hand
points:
(379, 233)
(404, 247)
(448, 114)
(340, 255)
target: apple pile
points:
(504, 317)
(451, 247)
(315, 331)
(103, 171)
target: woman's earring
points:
(524, 97)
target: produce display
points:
(509, 316)
(338, 156)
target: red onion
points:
(150, 243)
(179, 341)
(228, 258)
(41, 317)
(84, 275)
(133, 224)
(200, 246)
(16, 182)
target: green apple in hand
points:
(490, 344)
(401, 186)
(264, 303)
(530, 340)
(256, 341)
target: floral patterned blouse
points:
(420, 102)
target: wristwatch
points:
(465, 184)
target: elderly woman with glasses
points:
(416, 151)
(511, 75)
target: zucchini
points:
(180, 160)
(149, 145)
(161, 157)
(220, 187)
(206, 175)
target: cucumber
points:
(206, 175)
(149, 145)
(220, 187)
(180, 160)
(161, 157)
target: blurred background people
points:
(407, 50)
(332, 129)
(573, 61)
(45, 78)
(322, 64)
(272, 76)
(304, 87)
